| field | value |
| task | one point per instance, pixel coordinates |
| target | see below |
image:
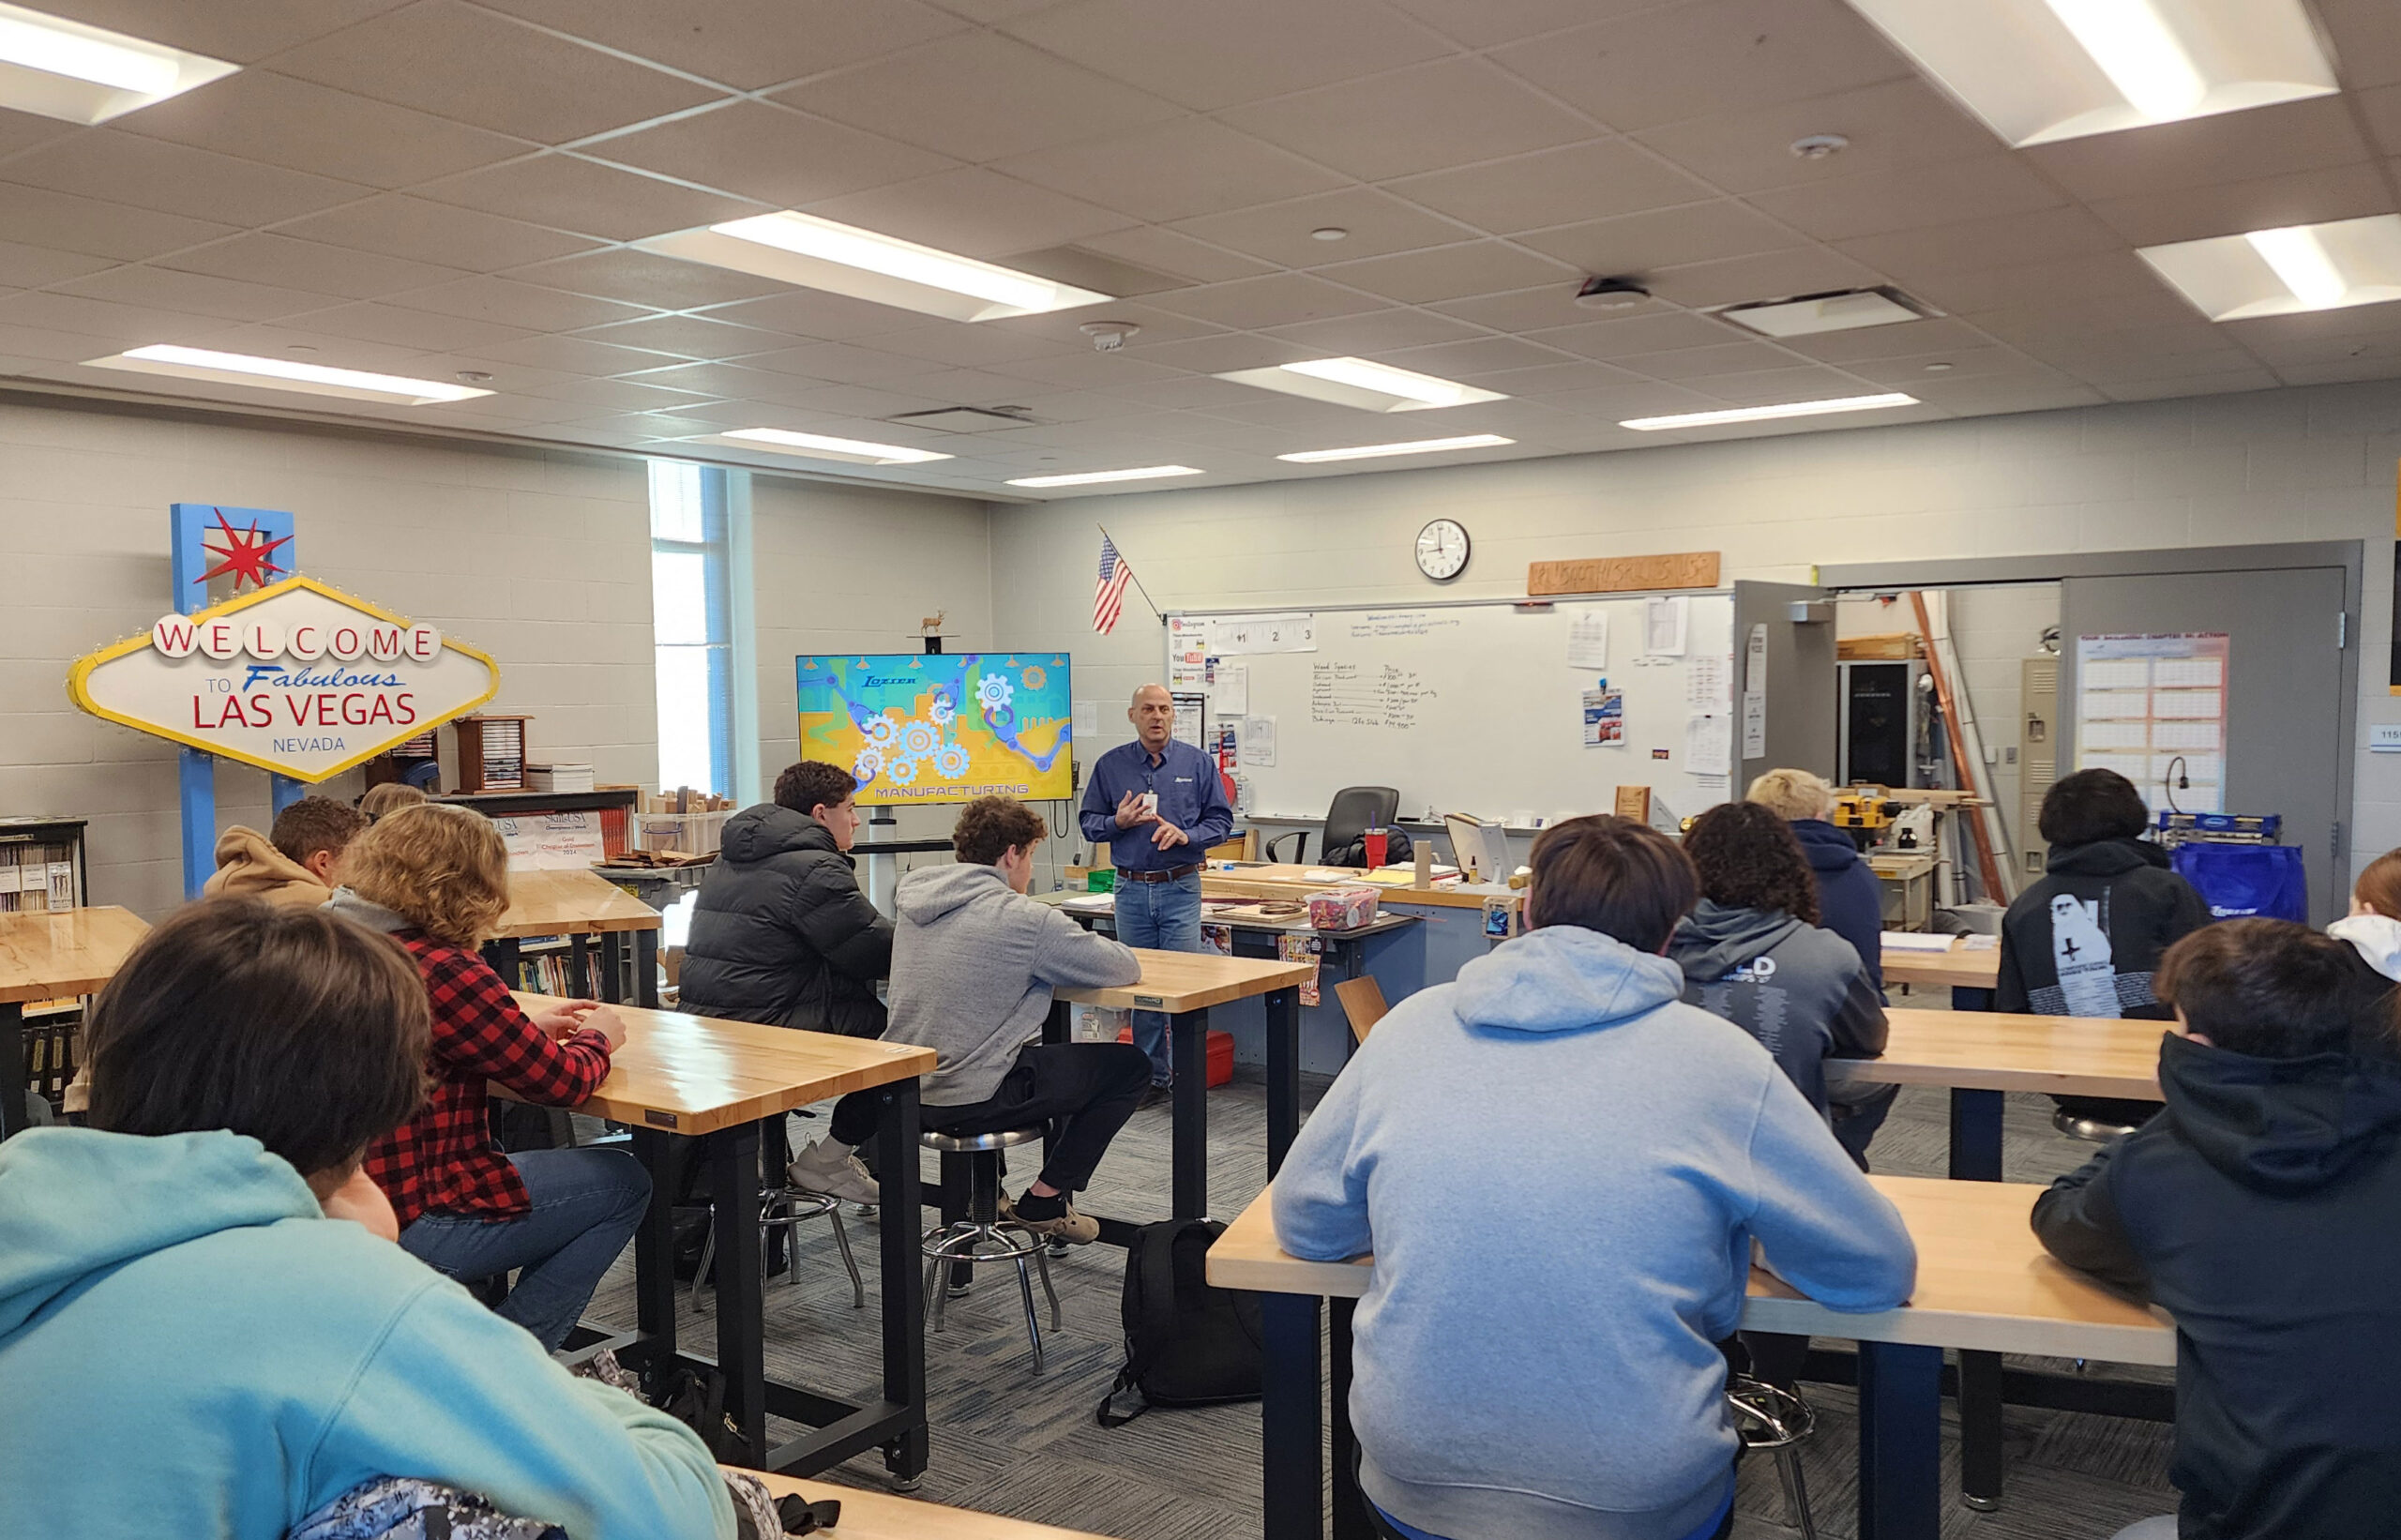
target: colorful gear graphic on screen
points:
(918, 739)
(902, 772)
(863, 769)
(1033, 676)
(951, 762)
(994, 692)
(884, 732)
(944, 711)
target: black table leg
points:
(1976, 1135)
(1289, 1419)
(646, 969)
(14, 1115)
(1967, 998)
(611, 970)
(1283, 1074)
(655, 1251)
(733, 1155)
(579, 967)
(1975, 1157)
(903, 1283)
(507, 958)
(1900, 1440)
(1188, 1034)
(1350, 1504)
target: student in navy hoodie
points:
(1549, 1372)
(1849, 903)
(2258, 1210)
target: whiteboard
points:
(1474, 708)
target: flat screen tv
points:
(951, 727)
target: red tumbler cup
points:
(1377, 844)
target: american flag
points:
(1109, 593)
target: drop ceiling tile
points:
(815, 315)
(21, 131)
(1168, 252)
(279, 261)
(1660, 332)
(419, 329)
(484, 298)
(1451, 272)
(566, 192)
(1688, 364)
(977, 97)
(1064, 327)
(2382, 109)
(747, 44)
(1377, 332)
(493, 73)
(963, 387)
(55, 347)
(1690, 61)
(566, 355)
(1279, 232)
(867, 405)
(965, 346)
(123, 324)
(2367, 48)
(1484, 24)
(1762, 387)
(1482, 358)
(1771, 275)
(687, 336)
(621, 395)
(644, 277)
(1110, 371)
(1189, 392)
(521, 410)
(300, 126)
(1554, 187)
(1633, 244)
(1427, 118)
(1891, 126)
(835, 363)
(243, 34)
(1523, 310)
(1910, 198)
(1176, 170)
(175, 179)
(195, 294)
(772, 153)
(974, 212)
(1278, 299)
(92, 228)
(2036, 283)
(1231, 50)
(298, 338)
(1223, 354)
(1557, 378)
(1901, 340)
(1988, 361)
(37, 267)
(1912, 256)
(399, 226)
(2279, 141)
(2342, 192)
(721, 382)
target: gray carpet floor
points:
(1007, 1441)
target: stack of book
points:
(34, 878)
(558, 778)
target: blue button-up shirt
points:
(1191, 797)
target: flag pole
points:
(1131, 573)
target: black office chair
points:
(1355, 811)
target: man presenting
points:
(1158, 805)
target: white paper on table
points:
(1229, 687)
(1754, 724)
(1706, 750)
(1259, 742)
(1664, 623)
(1754, 664)
(1588, 640)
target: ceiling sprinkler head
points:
(1818, 146)
(1108, 336)
(473, 376)
(1610, 293)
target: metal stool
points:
(787, 1209)
(982, 1235)
(1777, 1420)
(2093, 1130)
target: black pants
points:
(1087, 1089)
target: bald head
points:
(1152, 715)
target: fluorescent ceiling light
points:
(2040, 70)
(2282, 272)
(1420, 447)
(1766, 414)
(1822, 313)
(818, 254)
(1086, 478)
(1364, 384)
(284, 374)
(88, 74)
(819, 446)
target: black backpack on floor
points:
(1187, 1342)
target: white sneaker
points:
(827, 1167)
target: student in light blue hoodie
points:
(206, 1330)
(1530, 1366)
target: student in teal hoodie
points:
(206, 1330)
(1548, 1368)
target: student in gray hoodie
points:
(973, 962)
(1549, 1372)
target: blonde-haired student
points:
(436, 876)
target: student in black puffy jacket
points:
(2085, 940)
(1850, 904)
(2258, 1210)
(781, 932)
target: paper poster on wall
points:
(1588, 640)
(1664, 622)
(1259, 742)
(1754, 724)
(1191, 717)
(1754, 661)
(1229, 687)
(1086, 721)
(1707, 751)
(1604, 718)
(1188, 674)
(2152, 708)
(1707, 689)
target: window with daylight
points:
(691, 626)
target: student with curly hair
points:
(1753, 953)
(436, 876)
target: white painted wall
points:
(541, 559)
(2303, 464)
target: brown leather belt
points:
(1170, 875)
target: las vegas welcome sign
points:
(295, 678)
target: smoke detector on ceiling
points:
(1108, 336)
(1610, 293)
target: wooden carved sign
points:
(1624, 574)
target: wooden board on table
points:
(1989, 1050)
(63, 952)
(571, 903)
(881, 1515)
(1174, 982)
(1956, 968)
(1984, 1281)
(1287, 882)
(695, 1074)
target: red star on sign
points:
(248, 554)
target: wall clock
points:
(1442, 550)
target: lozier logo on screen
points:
(296, 677)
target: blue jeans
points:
(586, 1205)
(1167, 917)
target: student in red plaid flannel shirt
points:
(436, 876)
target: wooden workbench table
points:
(693, 1077)
(1984, 1283)
(50, 956)
(1970, 976)
(1282, 881)
(880, 1516)
(582, 906)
